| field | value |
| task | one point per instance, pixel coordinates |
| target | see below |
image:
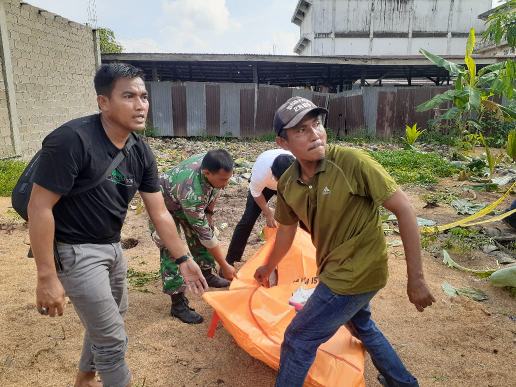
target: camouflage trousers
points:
(173, 281)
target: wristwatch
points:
(181, 259)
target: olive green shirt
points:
(340, 208)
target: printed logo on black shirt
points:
(119, 178)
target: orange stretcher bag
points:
(257, 317)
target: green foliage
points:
(267, 137)
(473, 92)
(511, 145)
(492, 159)
(360, 136)
(408, 166)
(108, 42)
(439, 197)
(501, 24)
(495, 130)
(477, 167)
(366, 138)
(412, 134)
(10, 171)
(331, 135)
(150, 131)
(439, 133)
(140, 279)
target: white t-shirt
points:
(261, 174)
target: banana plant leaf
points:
(468, 59)
(448, 261)
(492, 68)
(508, 111)
(504, 277)
(451, 67)
(474, 97)
(448, 95)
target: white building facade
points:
(386, 27)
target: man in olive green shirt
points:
(336, 192)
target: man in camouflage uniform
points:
(190, 191)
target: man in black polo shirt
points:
(86, 226)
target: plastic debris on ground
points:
(300, 297)
(473, 293)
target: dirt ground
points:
(456, 342)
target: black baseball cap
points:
(292, 112)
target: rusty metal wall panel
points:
(230, 108)
(195, 109)
(161, 108)
(178, 93)
(320, 99)
(421, 118)
(247, 107)
(403, 110)
(407, 99)
(305, 93)
(385, 114)
(213, 110)
(346, 114)
(355, 122)
(266, 107)
(337, 115)
(284, 93)
(442, 108)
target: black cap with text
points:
(293, 111)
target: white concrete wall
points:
(397, 27)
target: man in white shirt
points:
(267, 170)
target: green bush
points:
(10, 171)
(496, 131)
(408, 166)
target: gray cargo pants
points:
(94, 278)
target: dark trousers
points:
(245, 226)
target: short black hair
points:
(280, 165)
(216, 160)
(108, 74)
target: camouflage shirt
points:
(187, 192)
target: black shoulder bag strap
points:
(115, 163)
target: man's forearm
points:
(218, 255)
(284, 238)
(262, 203)
(409, 233)
(41, 233)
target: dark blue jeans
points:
(324, 313)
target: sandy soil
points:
(457, 342)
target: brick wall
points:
(53, 64)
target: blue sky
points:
(201, 26)
(191, 26)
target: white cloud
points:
(279, 43)
(190, 25)
(141, 45)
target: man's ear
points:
(103, 102)
(282, 143)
